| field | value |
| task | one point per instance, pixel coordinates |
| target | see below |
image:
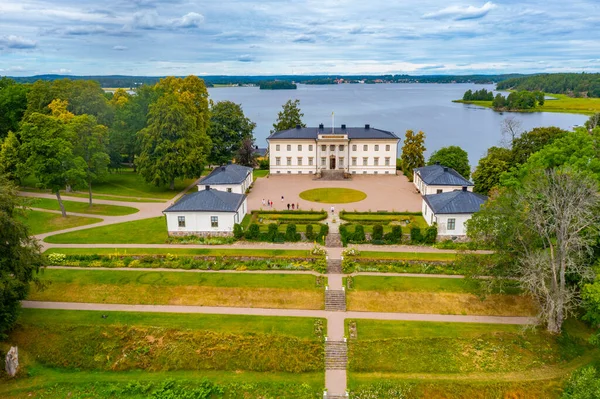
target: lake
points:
(393, 107)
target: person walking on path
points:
(292, 206)
(332, 210)
(288, 207)
(282, 198)
(263, 202)
(298, 206)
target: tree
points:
(246, 153)
(533, 141)
(412, 152)
(91, 145)
(593, 122)
(228, 128)
(20, 258)
(175, 143)
(47, 147)
(453, 157)
(289, 117)
(487, 173)
(543, 233)
(9, 157)
(511, 129)
(13, 103)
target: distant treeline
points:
(478, 95)
(131, 82)
(277, 85)
(573, 84)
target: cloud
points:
(459, 13)
(246, 58)
(83, 30)
(146, 20)
(120, 48)
(17, 68)
(304, 39)
(61, 71)
(189, 20)
(17, 42)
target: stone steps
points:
(336, 355)
(332, 175)
(335, 300)
(333, 240)
(334, 266)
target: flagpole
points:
(332, 123)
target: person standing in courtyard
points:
(293, 206)
(332, 210)
(282, 198)
(263, 202)
(288, 207)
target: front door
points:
(332, 163)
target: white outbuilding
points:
(231, 178)
(436, 179)
(451, 210)
(208, 212)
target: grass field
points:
(78, 354)
(259, 173)
(333, 195)
(433, 296)
(171, 288)
(144, 231)
(292, 253)
(40, 222)
(126, 183)
(83, 207)
(431, 256)
(562, 104)
(407, 221)
(462, 360)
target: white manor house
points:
(354, 150)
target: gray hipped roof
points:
(439, 175)
(459, 201)
(208, 201)
(228, 174)
(352, 132)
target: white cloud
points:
(17, 68)
(61, 71)
(246, 58)
(189, 20)
(17, 42)
(120, 48)
(458, 13)
(146, 20)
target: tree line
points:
(572, 84)
(478, 95)
(518, 100)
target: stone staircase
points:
(333, 240)
(334, 266)
(336, 355)
(335, 300)
(333, 175)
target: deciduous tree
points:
(9, 157)
(412, 152)
(246, 154)
(228, 128)
(289, 117)
(453, 157)
(13, 103)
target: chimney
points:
(437, 162)
(321, 127)
(343, 127)
(207, 188)
(367, 126)
(464, 188)
(298, 126)
(445, 168)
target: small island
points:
(519, 101)
(277, 85)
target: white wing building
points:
(354, 150)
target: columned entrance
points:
(332, 162)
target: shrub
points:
(430, 234)
(291, 234)
(253, 232)
(395, 236)
(57, 259)
(238, 232)
(272, 231)
(583, 384)
(263, 164)
(323, 231)
(377, 232)
(415, 235)
(359, 233)
(310, 235)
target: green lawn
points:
(562, 104)
(333, 195)
(406, 220)
(82, 207)
(145, 231)
(414, 284)
(259, 173)
(424, 256)
(40, 222)
(314, 216)
(275, 253)
(129, 184)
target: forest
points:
(277, 85)
(572, 84)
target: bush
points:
(359, 233)
(395, 236)
(583, 384)
(290, 233)
(238, 232)
(377, 232)
(430, 234)
(310, 235)
(323, 231)
(253, 232)
(263, 164)
(415, 236)
(272, 232)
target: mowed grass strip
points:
(82, 207)
(286, 291)
(432, 256)
(284, 253)
(459, 349)
(333, 195)
(433, 296)
(40, 222)
(144, 231)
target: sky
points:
(267, 37)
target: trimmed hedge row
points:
(353, 265)
(273, 234)
(396, 236)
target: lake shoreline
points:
(561, 104)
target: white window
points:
(323, 161)
(277, 146)
(299, 161)
(289, 147)
(214, 221)
(278, 161)
(229, 190)
(299, 147)
(353, 147)
(353, 161)
(341, 162)
(310, 161)
(365, 161)
(341, 148)
(332, 147)
(451, 224)
(310, 147)
(181, 221)
(323, 147)
(289, 161)
(425, 212)
(439, 191)
(376, 161)
(387, 162)
(366, 147)
(387, 147)
(376, 147)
